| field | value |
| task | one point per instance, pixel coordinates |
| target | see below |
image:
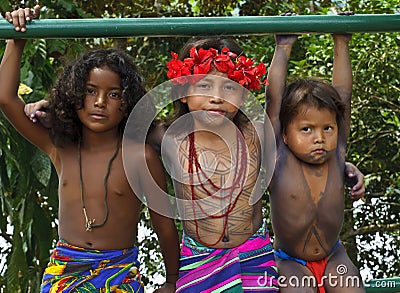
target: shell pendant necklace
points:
(90, 222)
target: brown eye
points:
(115, 95)
(89, 91)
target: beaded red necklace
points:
(238, 181)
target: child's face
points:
(312, 135)
(215, 95)
(102, 103)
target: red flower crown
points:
(239, 69)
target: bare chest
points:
(92, 177)
(224, 171)
(313, 184)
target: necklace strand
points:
(238, 180)
(231, 188)
(90, 222)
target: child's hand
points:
(282, 40)
(36, 111)
(344, 37)
(166, 288)
(19, 17)
(346, 13)
(355, 179)
(358, 189)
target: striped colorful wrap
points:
(74, 269)
(249, 267)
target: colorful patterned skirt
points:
(74, 269)
(249, 267)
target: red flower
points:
(223, 62)
(246, 74)
(178, 68)
(200, 61)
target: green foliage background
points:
(28, 183)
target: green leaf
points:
(17, 268)
(41, 166)
(42, 231)
(4, 6)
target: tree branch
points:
(374, 228)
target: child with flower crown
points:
(215, 157)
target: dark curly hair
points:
(69, 91)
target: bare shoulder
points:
(150, 154)
(156, 136)
(133, 156)
(138, 154)
(131, 147)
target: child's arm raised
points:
(277, 78)
(342, 79)
(11, 105)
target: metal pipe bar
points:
(191, 26)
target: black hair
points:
(69, 91)
(218, 43)
(313, 92)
